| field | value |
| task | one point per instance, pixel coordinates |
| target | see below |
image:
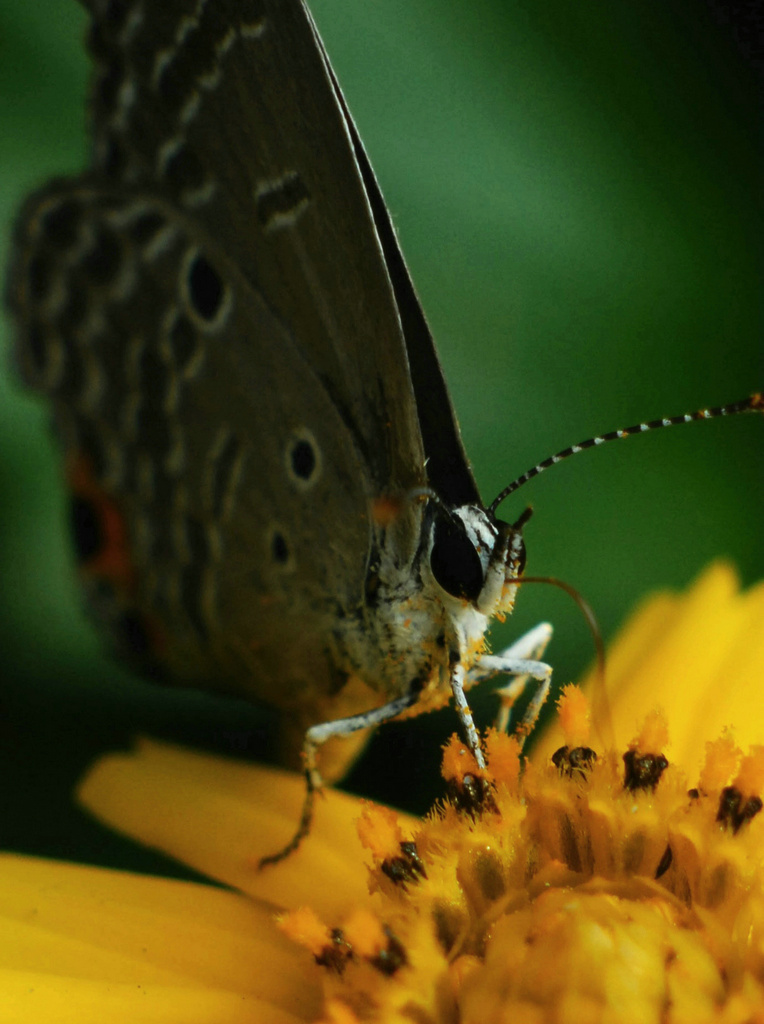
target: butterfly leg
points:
(521, 659)
(463, 710)
(314, 737)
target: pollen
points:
(365, 933)
(503, 758)
(574, 714)
(458, 761)
(304, 927)
(379, 831)
(721, 763)
(337, 1012)
(654, 732)
(750, 777)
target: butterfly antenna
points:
(753, 404)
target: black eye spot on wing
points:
(303, 459)
(279, 548)
(206, 290)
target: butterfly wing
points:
(238, 362)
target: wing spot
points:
(279, 550)
(303, 460)
(207, 295)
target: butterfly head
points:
(475, 557)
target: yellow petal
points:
(76, 942)
(110, 927)
(29, 998)
(221, 817)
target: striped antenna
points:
(753, 404)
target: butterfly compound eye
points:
(454, 562)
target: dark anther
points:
(337, 953)
(693, 794)
(643, 771)
(572, 761)
(472, 795)
(205, 288)
(664, 863)
(303, 459)
(733, 811)
(392, 958)
(406, 867)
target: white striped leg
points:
(314, 737)
(520, 659)
(463, 710)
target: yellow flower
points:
(605, 883)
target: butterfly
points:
(270, 495)
(269, 491)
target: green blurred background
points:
(578, 191)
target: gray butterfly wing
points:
(218, 309)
